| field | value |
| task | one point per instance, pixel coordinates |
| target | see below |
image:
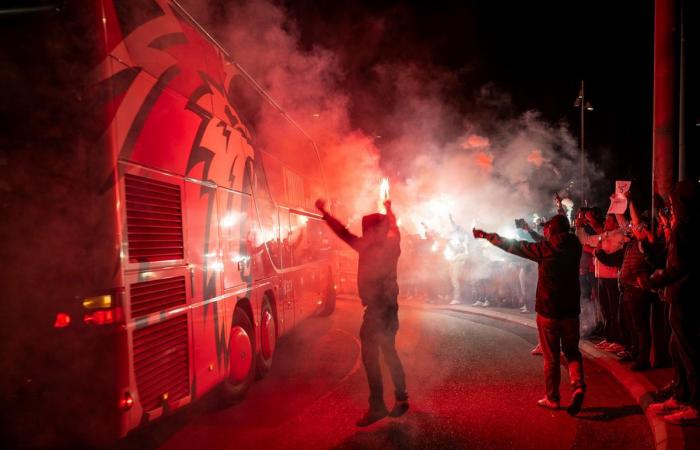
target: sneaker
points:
(625, 356)
(524, 310)
(670, 406)
(602, 344)
(576, 402)
(686, 416)
(399, 409)
(614, 348)
(547, 403)
(455, 302)
(537, 350)
(372, 416)
(486, 303)
(478, 303)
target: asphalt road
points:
(472, 384)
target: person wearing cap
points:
(379, 250)
(557, 303)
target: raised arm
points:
(338, 228)
(393, 225)
(536, 251)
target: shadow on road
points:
(422, 430)
(609, 413)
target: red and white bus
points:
(157, 219)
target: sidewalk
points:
(640, 385)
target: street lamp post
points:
(585, 106)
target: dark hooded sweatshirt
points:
(558, 291)
(378, 258)
(681, 275)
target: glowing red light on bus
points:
(126, 402)
(62, 320)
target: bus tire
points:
(268, 339)
(241, 357)
(328, 306)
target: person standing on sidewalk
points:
(557, 303)
(379, 249)
(681, 280)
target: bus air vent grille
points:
(157, 295)
(153, 220)
(161, 356)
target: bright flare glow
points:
(230, 219)
(508, 233)
(383, 194)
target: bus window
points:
(298, 240)
(234, 226)
(319, 239)
(267, 214)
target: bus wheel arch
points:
(241, 354)
(269, 332)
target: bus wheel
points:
(241, 362)
(328, 305)
(268, 339)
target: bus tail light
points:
(103, 317)
(62, 320)
(126, 402)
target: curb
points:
(665, 438)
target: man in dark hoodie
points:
(379, 250)
(557, 303)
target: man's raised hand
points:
(321, 205)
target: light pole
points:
(584, 106)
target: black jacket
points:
(376, 267)
(681, 276)
(558, 291)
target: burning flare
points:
(383, 194)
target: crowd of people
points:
(638, 281)
(634, 277)
(450, 267)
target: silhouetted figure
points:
(379, 250)
(557, 303)
(681, 279)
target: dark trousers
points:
(378, 331)
(560, 335)
(636, 304)
(660, 333)
(685, 354)
(609, 298)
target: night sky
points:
(534, 53)
(538, 52)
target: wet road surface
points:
(471, 380)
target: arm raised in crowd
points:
(534, 251)
(523, 225)
(338, 228)
(393, 225)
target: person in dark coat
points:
(681, 279)
(557, 303)
(379, 250)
